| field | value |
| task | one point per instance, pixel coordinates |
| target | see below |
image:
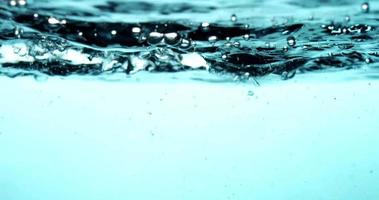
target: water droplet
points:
(365, 7)
(291, 41)
(233, 18)
(212, 39)
(155, 37)
(172, 38)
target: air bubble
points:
(205, 24)
(155, 38)
(291, 41)
(288, 75)
(347, 18)
(13, 3)
(136, 30)
(237, 44)
(365, 7)
(172, 38)
(18, 32)
(22, 2)
(212, 39)
(246, 37)
(185, 44)
(54, 21)
(114, 32)
(250, 93)
(17, 2)
(233, 18)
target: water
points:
(97, 37)
(172, 99)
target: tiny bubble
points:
(347, 18)
(250, 93)
(236, 44)
(233, 18)
(365, 7)
(291, 41)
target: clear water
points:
(244, 99)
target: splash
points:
(115, 37)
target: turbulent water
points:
(246, 38)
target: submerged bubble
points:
(205, 25)
(246, 37)
(172, 38)
(155, 37)
(136, 30)
(185, 43)
(347, 18)
(54, 21)
(288, 75)
(233, 18)
(18, 32)
(250, 93)
(12, 3)
(365, 7)
(17, 2)
(212, 39)
(291, 41)
(236, 44)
